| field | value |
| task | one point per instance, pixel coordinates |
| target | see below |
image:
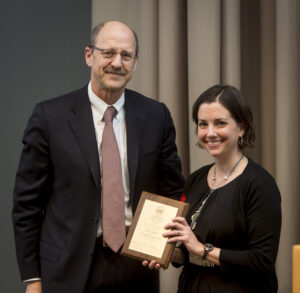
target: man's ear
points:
(135, 64)
(88, 56)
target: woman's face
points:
(218, 132)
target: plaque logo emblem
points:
(159, 211)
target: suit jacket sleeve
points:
(30, 194)
(170, 179)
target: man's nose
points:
(117, 61)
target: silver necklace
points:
(213, 177)
(195, 216)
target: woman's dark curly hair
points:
(233, 100)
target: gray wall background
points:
(41, 56)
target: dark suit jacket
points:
(57, 194)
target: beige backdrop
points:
(188, 45)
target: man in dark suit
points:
(58, 194)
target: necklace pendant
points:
(195, 216)
(193, 225)
(227, 175)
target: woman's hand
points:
(181, 231)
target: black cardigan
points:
(243, 218)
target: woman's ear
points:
(242, 130)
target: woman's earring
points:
(240, 141)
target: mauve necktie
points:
(113, 210)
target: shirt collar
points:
(101, 106)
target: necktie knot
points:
(109, 114)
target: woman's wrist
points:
(200, 250)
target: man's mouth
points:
(121, 73)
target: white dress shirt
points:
(119, 126)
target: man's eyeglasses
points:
(112, 53)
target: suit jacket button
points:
(90, 255)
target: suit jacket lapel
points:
(135, 119)
(83, 128)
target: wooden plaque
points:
(144, 239)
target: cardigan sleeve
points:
(262, 204)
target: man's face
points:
(110, 62)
